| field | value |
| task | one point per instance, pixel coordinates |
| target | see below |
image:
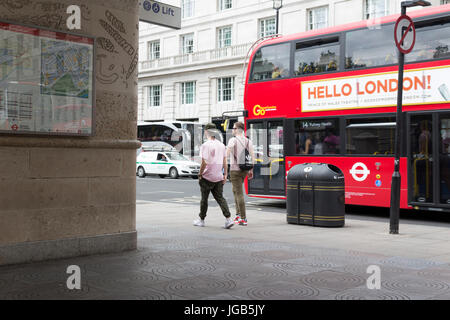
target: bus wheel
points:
(141, 172)
(173, 173)
(162, 176)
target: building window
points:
(375, 8)
(225, 89)
(154, 96)
(266, 27)
(224, 37)
(187, 8)
(317, 18)
(225, 4)
(154, 50)
(187, 43)
(188, 92)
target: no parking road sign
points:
(404, 34)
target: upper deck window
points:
(370, 47)
(271, 62)
(432, 42)
(317, 56)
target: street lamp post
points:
(277, 5)
(396, 181)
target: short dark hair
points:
(211, 130)
(209, 126)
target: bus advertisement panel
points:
(420, 86)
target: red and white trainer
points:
(242, 222)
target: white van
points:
(165, 163)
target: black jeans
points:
(216, 188)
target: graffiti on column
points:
(115, 22)
(106, 44)
(102, 77)
(116, 35)
(128, 48)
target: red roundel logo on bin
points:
(359, 171)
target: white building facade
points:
(196, 73)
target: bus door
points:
(269, 169)
(429, 159)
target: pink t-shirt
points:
(236, 148)
(213, 152)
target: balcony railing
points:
(214, 55)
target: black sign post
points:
(405, 37)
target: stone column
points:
(72, 196)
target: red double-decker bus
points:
(329, 96)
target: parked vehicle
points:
(165, 163)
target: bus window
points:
(431, 43)
(275, 139)
(316, 58)
(271, 62)
(370, 136)
(379, 50)
(421, 158)
(444, 158)
(317, 136)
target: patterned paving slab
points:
(178, 261)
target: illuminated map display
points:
(46, 81)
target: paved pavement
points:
(267, 260)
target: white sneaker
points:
(199, 223)
(229, 223)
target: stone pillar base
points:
(27, 252)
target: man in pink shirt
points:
(212, 176)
